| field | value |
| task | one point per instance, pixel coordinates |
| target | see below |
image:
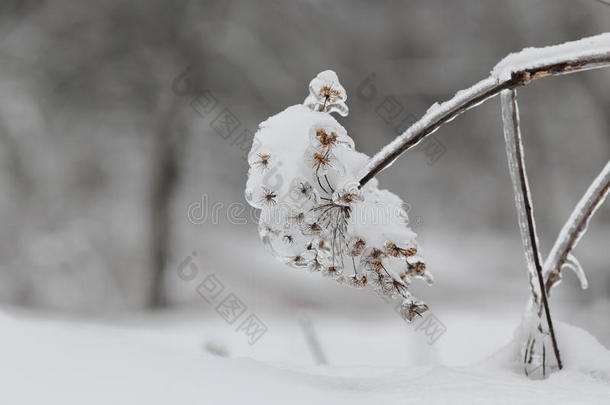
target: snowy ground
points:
(185, 358)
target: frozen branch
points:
(514, 71)
(525, 210)
(574, 229)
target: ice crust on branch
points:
(432, 115)
(303, 178)
(517, 69)
(531, 58)
(535, 347)
(572, 231)
(519, 179)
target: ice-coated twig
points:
(513, 71)
(574, 229)
(523, 201)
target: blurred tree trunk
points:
(13, 153)
(165, 176)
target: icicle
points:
(575, 227)
(573, 264)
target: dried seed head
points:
(417, 268)
(346, 198)
(393, 250)
(311, 229)
(320, 160)
(411, 251)
(411, 309)
(331, 272)
(263, 160)
(328, 93)
(375, 254)
(326, 139)
(305, 190)
(356, 246)
(298, 261)
(356, 282)
(269, 197)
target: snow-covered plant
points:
(517, 70)
(315, 215)
(325, 187)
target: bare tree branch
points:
(523, 200)
(576, 226)
(164, 180)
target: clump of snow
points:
(580, 352)
(326, 94)
(529, 58)
(303, 177)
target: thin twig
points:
(473, 96)
(523, 199)
(576, 226)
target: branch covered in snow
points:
(574, 228)
(515, 70)
(525, 210)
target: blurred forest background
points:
(108, 114)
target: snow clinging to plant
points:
(314, 216)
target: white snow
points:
(64, 363)
(528, 58)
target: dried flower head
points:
(326, 94)
(305, 190)
(320, 159)
(326, 139)
(263, 160)
(355, 281)
(269, 197)
(411, 308)
(356, 246)
(331, 272)
(297, 261)
(417, 268)
(311, 228)
(346, 195)
(393, 250)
